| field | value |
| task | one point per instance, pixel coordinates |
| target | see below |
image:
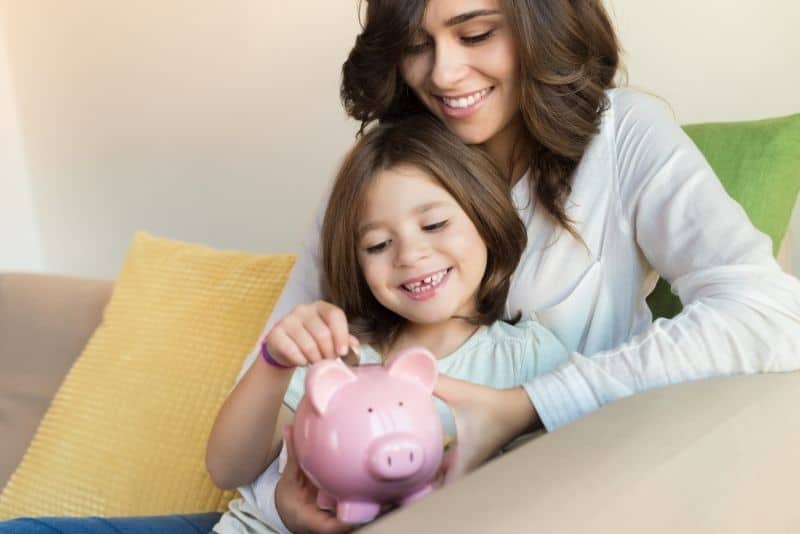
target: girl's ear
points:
(416, 364)
(324, 380)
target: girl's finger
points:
(282, 349)
(322, 335)
(355, 345)
(304, 340)
(336, 320)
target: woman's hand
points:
(486, 419)
(296, 499)
(310, 333)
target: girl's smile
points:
(424, 287)
(419, 252)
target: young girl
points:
(419, 242)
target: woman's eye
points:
(380, 247)
(435, 226)
(475, 39)
(416, 48)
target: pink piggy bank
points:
(369, 435)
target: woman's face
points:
(463, 66)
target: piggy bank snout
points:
(396, 457)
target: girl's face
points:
(463, 67)
(421, 255)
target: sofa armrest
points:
(45, 321)
(711, 456)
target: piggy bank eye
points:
(400, 403)
(369, 410)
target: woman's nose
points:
(449, 66)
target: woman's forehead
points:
(450, 13)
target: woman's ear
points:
(416, 364)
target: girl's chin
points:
(430, 319)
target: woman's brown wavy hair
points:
(568, 53)
(467, 174)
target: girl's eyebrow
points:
(458, 19)
(422, 208)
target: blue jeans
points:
(179, 524)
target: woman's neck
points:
(507, 149)
(442, 339)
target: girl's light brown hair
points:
(467, 174)
(568, 53)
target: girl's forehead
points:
(402, 184)
(400, 191)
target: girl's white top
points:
(646, 203)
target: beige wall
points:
(212, 120)
(219, 121)
(20, 247)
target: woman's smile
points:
(463, 106)
(464, 68)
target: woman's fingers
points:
(477, 437)
(452, 390)
(296, 498)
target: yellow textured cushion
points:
(126, 432)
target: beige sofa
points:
(714, 456)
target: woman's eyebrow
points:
(458, 19)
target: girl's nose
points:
(411, 251)
(449, 67)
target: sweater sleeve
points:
(741, 312)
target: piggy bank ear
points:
(324, 379)
(416, 364)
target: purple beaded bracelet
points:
(269, 359)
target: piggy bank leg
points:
(357, 512)
(417, 494)
(325, 501)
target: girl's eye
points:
(435, 226)
(475, 39)
(375, 249)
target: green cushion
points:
(758, 163)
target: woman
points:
(612, 193)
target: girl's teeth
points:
(416, 287)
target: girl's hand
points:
(309, 333)
(486, 419)
(296, 499)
